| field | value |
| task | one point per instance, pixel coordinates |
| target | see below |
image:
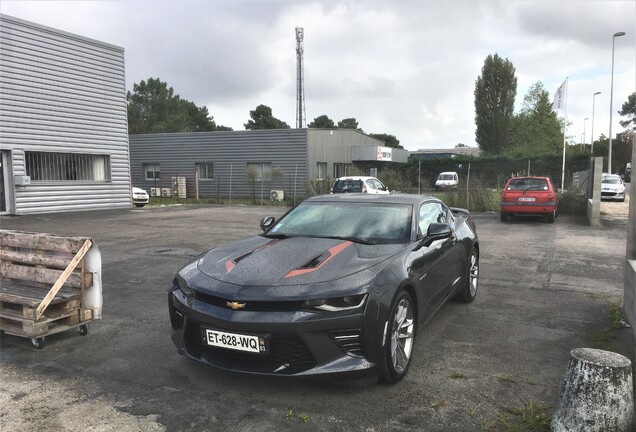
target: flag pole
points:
(565, 127)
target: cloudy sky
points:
(406, 68)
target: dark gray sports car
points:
(340, 284)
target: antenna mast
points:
(300, 80)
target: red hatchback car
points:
(532, 196)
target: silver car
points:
(612, 187)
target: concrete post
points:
(594, 203)
(629, 297)
(597, 393)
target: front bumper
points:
(301, 343)
(612, 195)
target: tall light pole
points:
(584, 120)
(592, 133)
(609, 156)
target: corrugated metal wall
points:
(63, 93)
(334, 146)
(230, 152)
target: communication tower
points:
(300, 80)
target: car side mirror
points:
(438, 231)
(267, 222)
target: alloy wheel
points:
(474, 273)
(402, 334)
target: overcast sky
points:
(406, 68)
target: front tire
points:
(397, 348)
(504, 216)
(469, 291)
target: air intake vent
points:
(350, 341)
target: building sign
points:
(384, 153)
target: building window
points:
(205, 171)
(341, 170)
(42, 166)
(153, 171)
(322, 170)
(373, 172)
(263, 170)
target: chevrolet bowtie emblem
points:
(235, 305)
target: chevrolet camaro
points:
(340, 284)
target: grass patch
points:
(304, 418)
(458, 375)
(439, 404)
(617, 316)
(530, 417)
(599, 339)
(506, 379)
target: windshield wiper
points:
(278, 236)
(351, 239)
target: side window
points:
(429, 213)
(441, 217)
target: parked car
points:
(139, 197)
(612, 187)
(340, 284)
(529, 196)
(359, 185)
(446, 180)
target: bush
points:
(572, 203)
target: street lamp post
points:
(584, 122)
(592, 132)
(609, 156)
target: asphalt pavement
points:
(544, 290)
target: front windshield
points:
(363, 222)
(446, 177)
(611, 179)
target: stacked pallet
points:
(48, 284)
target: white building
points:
(63, 122)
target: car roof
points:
(529, 177)
(355, 178)
(448, 172)
(372, 198)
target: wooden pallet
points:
(42, 283)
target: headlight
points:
(336, 304)
(183, 286)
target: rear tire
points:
(551, 216)
(397, 349)
(504, 216)
(469, 291)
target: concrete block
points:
(597, 393)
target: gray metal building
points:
(214, 164)
(63, 121)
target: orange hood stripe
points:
(332, 253)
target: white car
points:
(612, 187)
(139, 197)
(447, 180)
(359, 184)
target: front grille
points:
(274, 306)
(350, 341)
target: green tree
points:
(629, 109)
(322, 122)
(153, 107)
(389, 140)
(262, 118)
(348, 123)
(536, 130)
(495, 92)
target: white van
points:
(447, 180)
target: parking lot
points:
(544, 290)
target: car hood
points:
(612, 186)
(260, 261)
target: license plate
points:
(527, 199)
(235, 341)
